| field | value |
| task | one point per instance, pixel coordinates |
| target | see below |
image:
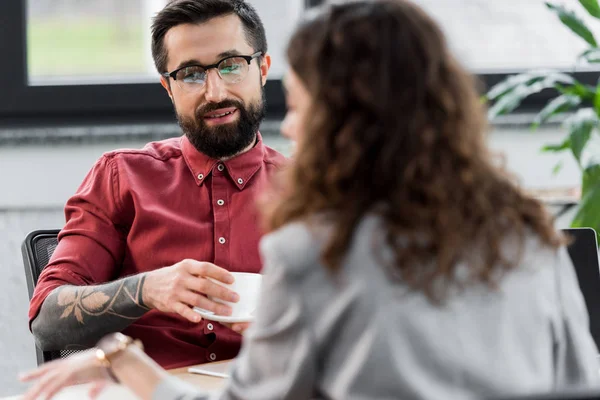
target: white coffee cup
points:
(247, 286)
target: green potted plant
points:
(579, 102)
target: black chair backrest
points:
(583, 251)
(37, 250)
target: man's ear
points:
(265, 65)
(164, 81)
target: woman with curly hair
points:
(400, 261)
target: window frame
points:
(90, 104)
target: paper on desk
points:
(220, 370)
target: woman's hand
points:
(56, 375)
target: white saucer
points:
(223, 318)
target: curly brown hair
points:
(397, 129)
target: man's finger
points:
(212, 289)
(217, 308)
(209, 270)
(240, 327)
(186, 312)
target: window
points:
(496, 38)
(74, 61)
(70, 41)
(118, 83)
(500, 35)
(73, 41)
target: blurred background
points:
(78, 79)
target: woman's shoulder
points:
(302, 242)
(294, 243)
(531, 249)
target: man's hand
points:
(182, 286)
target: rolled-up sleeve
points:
(91, 245)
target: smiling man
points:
(147, 228)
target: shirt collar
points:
(240, 169)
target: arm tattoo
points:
(78, 316)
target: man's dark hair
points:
(178, 12)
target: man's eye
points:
(191, 75)
(231, 69)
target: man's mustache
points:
(203, 110)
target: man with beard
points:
(148, 228)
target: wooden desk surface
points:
(118, 392)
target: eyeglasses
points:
(231, 69)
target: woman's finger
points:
(59, 382)
(38, 372)
(97, 388)
(41, 386)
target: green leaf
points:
(528, 78)
(590, 178)
(588, 213)
(557, 148)
(580, 127)
(512, 82)
(591, 55)
(579, 138)
(556, 106)
(573, 22)
(513, 99)
(557, 168)
(586, 92)
(597, 99)
(591, 7)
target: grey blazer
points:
(360, 336)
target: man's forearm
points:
(75, 317)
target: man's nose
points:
(215, 87)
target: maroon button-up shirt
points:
(139, 210)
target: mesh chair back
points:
(37, 250)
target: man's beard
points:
(224, 140)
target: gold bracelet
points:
(109, 346)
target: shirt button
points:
(240, 181)
(212, 356)
(220, 167)
(210, 326)
(200, 176)
(220, 202)
(222, 240)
